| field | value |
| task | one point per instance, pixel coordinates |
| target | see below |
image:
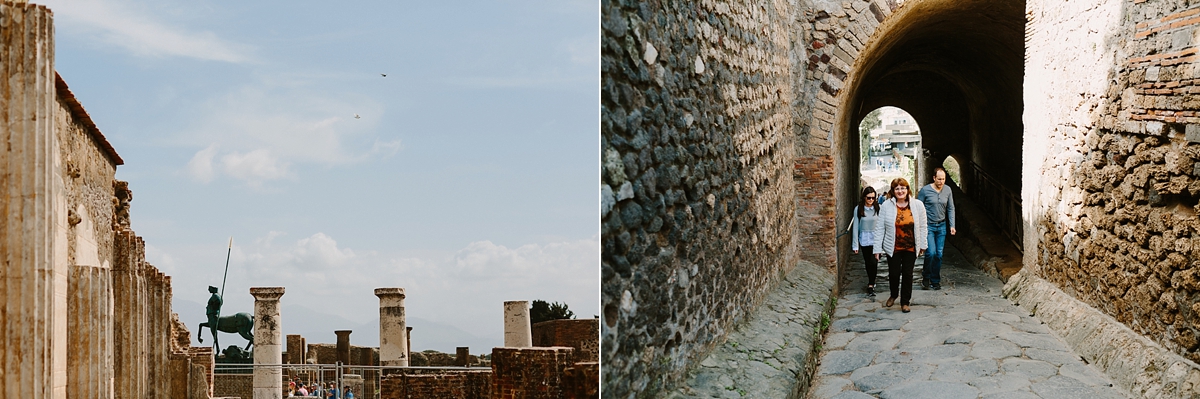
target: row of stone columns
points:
(90, 333)
(82, 329)
(393, 340)
(141, 327)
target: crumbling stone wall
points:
(1111, 187)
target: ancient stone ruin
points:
(555, 359)
(85, 314)
(730, 155)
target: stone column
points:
(343, 345)
(408, 342)
(393, 334)
(463, 357)
(89, 323)
(33, 232)
(268, 342)
(517, 333)
(126, 354)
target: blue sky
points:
(468, 177)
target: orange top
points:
(906, 240)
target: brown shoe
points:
(889, 303)
(905, 308)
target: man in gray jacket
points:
(939, 206)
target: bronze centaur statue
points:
(241, 323)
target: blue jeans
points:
(933, 255)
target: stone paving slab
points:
(773, 354)
(964, 341)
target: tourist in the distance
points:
(939, 202)
(900, 232)
(301, 391)
(862, 228)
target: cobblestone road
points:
(964, 341)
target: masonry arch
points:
(957, 66)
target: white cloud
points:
(465, 288)
(483, 260)
(261, 132)
(254, 167)
(120, 24)
(200, 167)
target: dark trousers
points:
(900, 267)
(872, 263)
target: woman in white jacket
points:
(862, 228)
(901, 232)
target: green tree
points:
(541, 311)
(869, 122)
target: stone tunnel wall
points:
(719, 160)
(1111, 183)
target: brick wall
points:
(322, 353)
(815, 203)
(233, 386)
(529, 372)
(581, 334)
(582, 381)
(327, 354)
(474, 384)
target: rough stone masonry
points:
(729, 152)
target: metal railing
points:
(1000, 204)
(321, 374)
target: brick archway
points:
(957, 67)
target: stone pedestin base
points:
(1136, 364)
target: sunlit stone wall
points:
(1112, 127)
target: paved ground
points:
(764, 357)
(964, 341)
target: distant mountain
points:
(317, 327)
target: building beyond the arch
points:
(729, 155)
